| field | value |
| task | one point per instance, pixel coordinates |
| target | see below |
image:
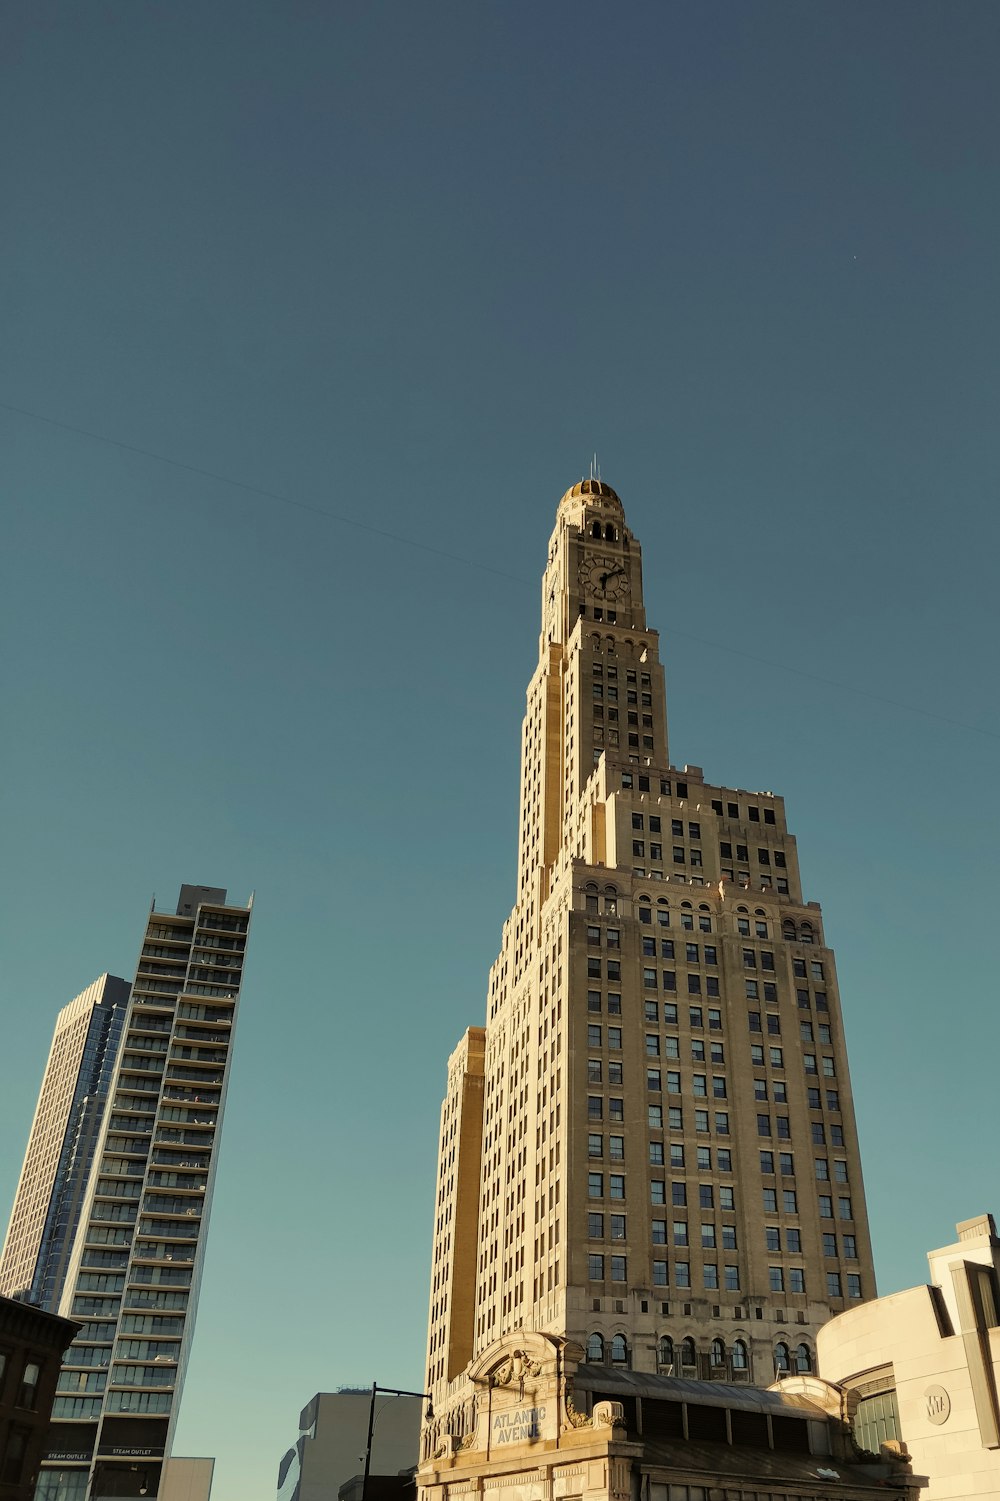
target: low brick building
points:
(31, 1350)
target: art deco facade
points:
(60, 1148)
(136, 1263)
(651, 1148)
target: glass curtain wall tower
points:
(60, 1149)
(651, 1148)
(136, 1264)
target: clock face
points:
(603, 577)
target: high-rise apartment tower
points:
(135, 1267)
(650, 1149)
(60, 1149)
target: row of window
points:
(601, 1268)
(671, 1048)
(653, 822)
(732, 810)
(765, 855)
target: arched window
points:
(788, 929)
(595, 530)
(687, 1352)
(759, 912)
(595, 1349)
(803, 1359)
(610, 534)
(781, 1362)
(619, 1350)
(666, 1353)
(739, 1355)
(718, 1352)
(704, 907)
(743, 909)
(685, 904)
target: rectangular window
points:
(853, 1285)
(595, 1267)
(614, 1073)
(833, 1285)
(615, 1038)
(825, 1207)
(776, 1279)
(656, 1153)
(772, 1238)
(786, 1165)
(658, 1231)
(660, 1274)
(850, 1248)
(616, 1185)
(595, 1185)
(770, 1201)
(753, 1018)
(710, 1271)
(844, 1209)
(722, 1122)
(618, 1269)
(594, 1070)
(767, 1162)
(657, 1191)
(699, 1085)
(682, 1273)
(593, 1000)
(616, 1110)
(616, 1149)
(829, 1245)
(595, 1146)
(593, 1036)
(796, 1279)
(654, 1117)
(678, 1195)
(595, 1226)
(789, 1201)
(676, 1154)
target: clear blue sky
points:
(410, 265)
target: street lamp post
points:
(390, 1391)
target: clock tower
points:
(649, 1152)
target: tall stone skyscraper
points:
(60, 1149)
(136, 1261)
(650, 1148)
